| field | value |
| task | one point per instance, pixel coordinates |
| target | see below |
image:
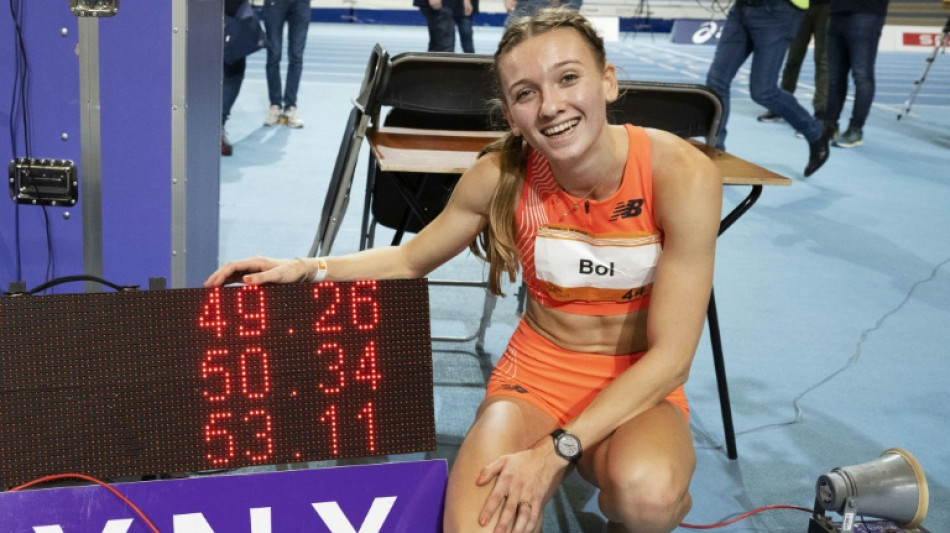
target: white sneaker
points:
(273, 116)
(291, 119)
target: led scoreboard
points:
(138, 383)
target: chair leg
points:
(720, 365)
(483, 356)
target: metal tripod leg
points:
(940, 47)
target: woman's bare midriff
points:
(607, 335)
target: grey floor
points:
(833, 294)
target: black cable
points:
(796, 403)
(80, 277)
(20, 114)
(18, 68)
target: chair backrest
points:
(440, 84)
(338, 190)
(456, 92)
(432, 90)
(375, 79)
(687, 110)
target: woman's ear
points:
(611, 88)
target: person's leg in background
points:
(839, 64)
(771, 27)
(446, 22)
(274, 15)
(862, 33)
(231, 86)
(793, 61)
(298, 24)
(731, 52)
(441, 26)
(466, 38)
(820, 52)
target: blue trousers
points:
(442, 24)
(852, 45)
(762, 29)
(296, 15)
(231, 86)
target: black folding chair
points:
(365, 108)
(436, 91)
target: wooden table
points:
(453, 152)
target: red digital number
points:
(239, 370)
(366, 414)
(252, 312)
(329, 321)
(209, 369)
(264, 435)
(213, 432)
(332, 347)
(329, 418)
(263, 384)
(367, 370)
(363, 307)
(211, 315)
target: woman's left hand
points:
(523, 483)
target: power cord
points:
(110, 488)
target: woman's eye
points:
(567, 78)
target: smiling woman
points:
(613, 229)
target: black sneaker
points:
(818, 153)
(226, 148)
(769, 116)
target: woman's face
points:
(556, 93)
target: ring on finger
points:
(526, 503)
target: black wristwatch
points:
(567, 445)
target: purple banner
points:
(389, 497)
(693, 31)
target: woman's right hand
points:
(258, 270)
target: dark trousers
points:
(231, 86)
(763, 30)
(442, 24)
(441, 28)
(814, 23)
(852, 46)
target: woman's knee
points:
(654, 499)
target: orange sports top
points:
(584, 256)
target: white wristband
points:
(321, 272)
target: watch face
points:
(568, 445)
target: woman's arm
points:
(451, 232)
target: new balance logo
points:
(628, 209)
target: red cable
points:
(744, 516)
(84, 477)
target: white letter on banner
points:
(260, 520)
(112, 526)
(191, 523)
(334, 518)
